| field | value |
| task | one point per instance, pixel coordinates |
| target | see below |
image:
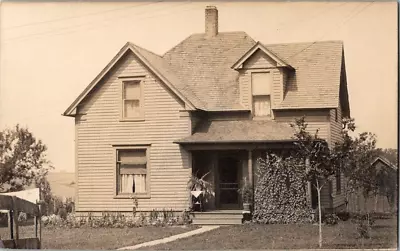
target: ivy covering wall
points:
(280, 192)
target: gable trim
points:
(71, 110)
(252, 50)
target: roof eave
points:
(70, 110)
(280, 63)
(191, 106)
(385, 161)
(82, 95)
(232, 141)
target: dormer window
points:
(132, 107)
(261, 85)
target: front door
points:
(228, 177)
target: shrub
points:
(117, 220)
(364, 223)
(344, 216)
(280, 193)
(331, 219)
(62, 212)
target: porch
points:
(226, 171)
(225, 154)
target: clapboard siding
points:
(336, 125)
(244, 87)
(276, 95)
(101, 128)
(259, 60)
(336, 136)
(316, 120)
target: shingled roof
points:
(199, 70)
(204, 65)
(316, 82)
(239, 131)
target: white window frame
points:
(141, 100)
(116, 172)
(271, 71)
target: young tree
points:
(353, 156)
(22, 159)
(316, 155)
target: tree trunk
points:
(319, 214)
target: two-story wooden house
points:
(215, 101)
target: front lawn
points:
(96, 238)
(252, 236)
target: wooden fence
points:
(14, 206)
(380, 204)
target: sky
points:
(49, 52)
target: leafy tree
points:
(46, 195)
(353, 156)
(317, 158)
(22, 159)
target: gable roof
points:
(199, 71)
(205, 65)
(384, 161)
(155, 63)
(258, 46)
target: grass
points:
(252, 236)
(96, 239)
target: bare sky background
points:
(51, 51)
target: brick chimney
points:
(211, 21)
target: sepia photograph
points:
(197, 125)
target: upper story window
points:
(132, 99)
(261, 85)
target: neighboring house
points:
(381, 163)
(385, 200)
(216, 101)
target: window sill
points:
(132, 196)
(132, 119)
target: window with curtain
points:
(132, 99)
(261, 84)
(132, 171)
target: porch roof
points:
(239, 131)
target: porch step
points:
(227, 217)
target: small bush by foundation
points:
(118, 220)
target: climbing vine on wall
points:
(280, 192)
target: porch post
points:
(250, 166)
